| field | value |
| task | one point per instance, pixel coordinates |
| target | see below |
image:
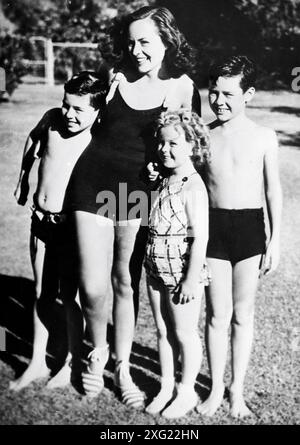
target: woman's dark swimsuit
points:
(112, 166)
(115, 158)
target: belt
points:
(50, 217)
(154, 237)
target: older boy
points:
(243, 157)
(58, 140)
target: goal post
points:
(49, 66)
(49, 60)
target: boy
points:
(243, 157)
(58, 140)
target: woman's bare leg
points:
(94, 241)
(127, 266)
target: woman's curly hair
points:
(194, 128)
(179, 57)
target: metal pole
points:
(2, 80)
(49, 63)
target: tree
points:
(266, 30)
(71, 21)
(10, 59)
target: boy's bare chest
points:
(242, 153)
(64, 150)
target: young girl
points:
(175, 257)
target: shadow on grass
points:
(16, 316)
(286, 110)
(16, 309)
(277, 109)
(288, 139)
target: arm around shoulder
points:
(28, 158)
(32, 151)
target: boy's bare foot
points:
(62, 378)
(238, 407)
(33, 372)
(212, 403)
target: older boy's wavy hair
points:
(194, 128)
(231, 66)
(89, 82)
(179, 57)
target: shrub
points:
(11, 60)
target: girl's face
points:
(145, 46)
(173, 148)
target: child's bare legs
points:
(74, 320)
(185, 324)
(245, 279)
(127, 266)
(95, 239)
(219, 313)
(37, 367)
(72, 366)
(167, 344)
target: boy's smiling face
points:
(227, 99)
(77, 112)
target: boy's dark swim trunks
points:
(51, 228)
(235, 235)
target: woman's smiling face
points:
(145, 46)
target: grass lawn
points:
(272, 383)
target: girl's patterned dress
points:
(168, 246)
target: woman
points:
(148, 78)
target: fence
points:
(48, 62)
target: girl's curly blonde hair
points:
(194, 129)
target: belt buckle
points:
(53, 218)
(56, 218)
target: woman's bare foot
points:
(212, 403)
(238, 407)
(34, 371)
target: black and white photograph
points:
(149, 215)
